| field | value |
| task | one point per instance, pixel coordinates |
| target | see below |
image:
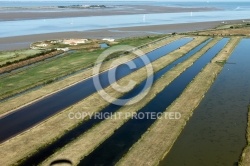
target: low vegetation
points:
(10, 66)
(51, 71)
(225, 30)
(234, 26)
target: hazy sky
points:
(139, 0)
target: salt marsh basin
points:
(194, 111)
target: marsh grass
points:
(7, 57)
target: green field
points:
(47, 72)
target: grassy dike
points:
(28, 142)
(245, 158)
(50, 71)
(7, 57)
(29, 60)
(90, 140)
(160, 137)
(35, 95)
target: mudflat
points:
(21, 13)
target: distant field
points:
(232, 26)
(226, 30)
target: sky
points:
(141, 0)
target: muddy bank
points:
(245, 158)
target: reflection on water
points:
(215, 135)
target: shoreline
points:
(245, 156)
(23, 42)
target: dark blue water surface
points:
(119, 143)
(215, 135)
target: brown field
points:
(158, 140)
(227, 32)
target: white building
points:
(74, 41)
(55, 41)
(109, 39)
(42, 45)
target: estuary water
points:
(229, 11)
